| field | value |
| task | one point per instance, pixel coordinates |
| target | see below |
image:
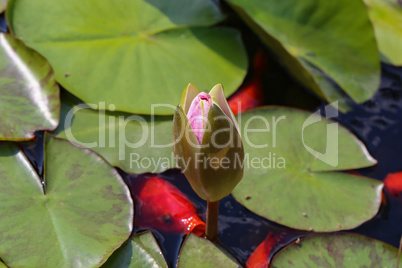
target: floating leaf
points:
(29, 95)
(289, 178)
(339, 250)
(77, 219)
(386, 16)
(319, 42)
(140, 251)
(132, 54)
(200, 252)
(135, 143)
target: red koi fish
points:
(163, 207)
(250, 95)
(393, 183)
(261, 255)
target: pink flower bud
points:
(198, 114)
(197, 119)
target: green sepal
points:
(221, 144)
(190, 92)
(225, 150)
(185, 150)
(218, 95)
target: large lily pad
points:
(29, 95)
(77, 219)
(386, 16)
(132, 53)
(289, 175)
(198, 252)
(340, 250)
(135, 143)
(320, 42)
(140, 251)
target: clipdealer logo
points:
(113, 130)
(330, 156)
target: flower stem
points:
(212, 220)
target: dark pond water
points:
(3, 24)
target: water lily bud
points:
(207, 143)
(197, 114)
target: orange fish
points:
(163, 207)
(393, 183)
(261, 255)
(250, 95)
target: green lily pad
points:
(386, 16)
(289, 178)
(2, 265)
(77, 219)
(134, 53)
(339, 250)
(198, 252)
(319, 42)
(140, 251)
(29, 95)
(134, 143)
